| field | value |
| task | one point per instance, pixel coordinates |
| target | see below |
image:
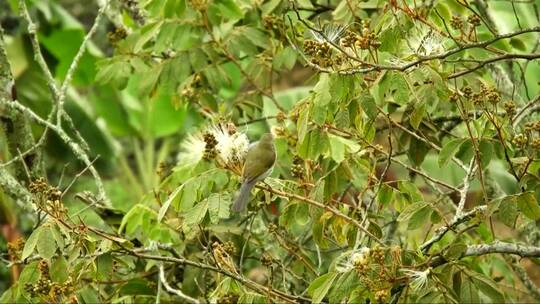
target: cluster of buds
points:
(536, 143)
(486, 94)
(228, 299)
(467, 92)
(456, 22)
(298, 169)
(274, 24)
(210, 151)
(223, 258)
(280, 117)
(368, 39)
(48, 198)
(532, 126)
(15, 248)
(222, 143)
(454, 97)
(267, 260)
(320, 52)
(376, 268)
(229, 247)
(510, 108)
(117, 35)
(520, 140)
(474, 20)
(381, 296)
(199, 5)
(192, 90)
(46, 288)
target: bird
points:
(258, 164)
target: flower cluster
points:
(376, 267)
(221, 143)
(48, 198)
(50, 291)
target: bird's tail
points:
(243, 197)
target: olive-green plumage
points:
(258, 165)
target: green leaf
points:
(400, 89)
(322, 91)
(419, 217)
(449, 150)
(31, 243)
(337, 148)
(368, 105)
(58, 237)
(385, 195)
(418, 114)
(59, 269)
(218, 206)
(229, 10)
(148, 32)
(455, 251)
(285, 58)
(508, 211)
(320, 286)
(411, 191)
(46, 245)
(528, 205)
(410, 210)
(195, 215)
(487, 286)
(486, 152)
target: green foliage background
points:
(407, 137)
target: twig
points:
(75, 147)
(439, 233)
(324, 207)
(464, 190)
(177, 292)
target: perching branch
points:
(439, 233)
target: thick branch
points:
(503, 247)
(16, 126)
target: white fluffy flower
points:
(329, 33)
(419, 279)
(348, 260)
(231, 148)
(192, 149)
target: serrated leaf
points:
(449, 150)
(508, 211)
(195, 215)
(218, 206)
(528, 205)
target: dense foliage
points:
(407, 136)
